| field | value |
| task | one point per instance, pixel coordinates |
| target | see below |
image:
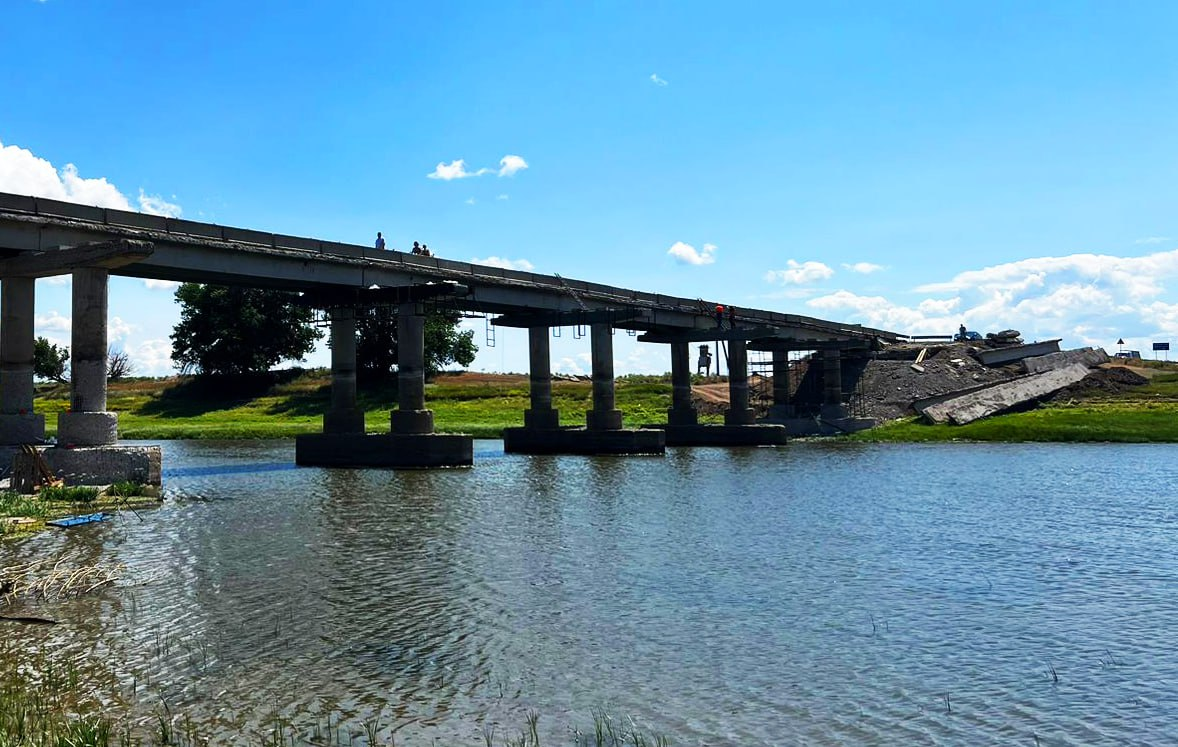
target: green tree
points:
(376, 343)
(232, 330)
(50, 361)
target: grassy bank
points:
(293, 403)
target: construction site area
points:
(943, 381)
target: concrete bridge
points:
(40, 237)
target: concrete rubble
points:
(1003, 396)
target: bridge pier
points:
(87, 435)
(603, 432)
(411, 442)
(740, 424)
(88, 423)
(344, 416)
(782, 407)
(18, 423)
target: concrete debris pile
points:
(952, 384)
(889, 386)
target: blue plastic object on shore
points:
(73, 521)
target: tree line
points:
(229, 330)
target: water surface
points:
(818, 594)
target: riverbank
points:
(292, 403)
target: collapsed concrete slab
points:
(1002, 396)
(1090, 357)
(1010, 354)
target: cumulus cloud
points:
(578, 365)
(863, 268)
(153, 284)
(1087, 299)
(504, 263)
(453, 170)
(152, 357)
(657, 80)
(510, 165)
(117, 329)
(23, 173)
(688, 255)
(51, 322)
(799, 273)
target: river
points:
(818, 594)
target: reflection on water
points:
(813, 594)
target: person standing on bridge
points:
(719, 316)
(379, 241)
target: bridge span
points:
(40, 237)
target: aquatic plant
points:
(69, 493)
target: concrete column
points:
(604, 416)
(344, 416)
(832, 384)
(88, 423)
(542, 414)
(682, 412)
(782, 407)
(739, 412)
(411, 415)
(18, 423)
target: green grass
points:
(292, 404)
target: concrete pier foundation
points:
(740, 427)
(18, 423)
(603, 432)
(88, 423)
(344, 416)
(412, 443)
(682, 411)
(541, 415)
(832, 385)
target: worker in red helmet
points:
(719, 316)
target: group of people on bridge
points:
(419, 249)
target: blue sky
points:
(910, 166)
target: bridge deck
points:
(190, 251)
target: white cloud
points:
(1087, 299)
(23, 173)
(470, 200)
(798, 273)
(156, 205)
(502, 197)
(687, 254)
(1153, 240)
(657, 80)
(153, 284)
(504, 263)
(510, 165)
(580, 364)
(51, 322)
(117, 329)
(455, 170)
(152, 358)
(863, 268)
